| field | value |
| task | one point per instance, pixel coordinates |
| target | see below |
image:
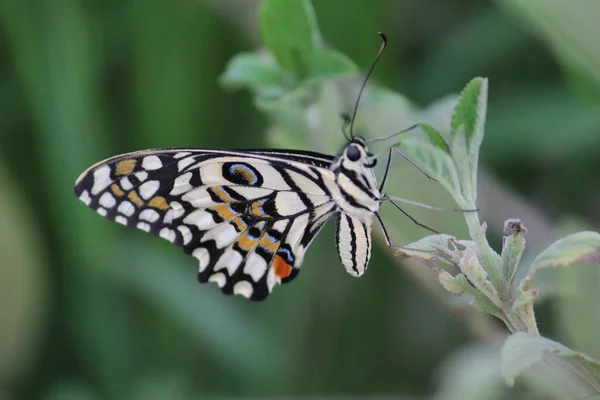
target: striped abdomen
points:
(353, 242)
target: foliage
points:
(90, 310)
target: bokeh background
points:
(91, 310)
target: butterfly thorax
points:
(355, 178)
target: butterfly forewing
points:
(248, 217)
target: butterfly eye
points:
(353, 153)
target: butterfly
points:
(247, 216)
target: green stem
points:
(487, 259)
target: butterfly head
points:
(356, 153)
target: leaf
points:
(449, 282)
(289, 29)
(436, 162)
(434, 136)
(582, 247)
(512, 249)
(470, 113)
(572, 31)
(256, 72)
(471, 373)
(573, 373)
(328, 64)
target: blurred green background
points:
(91, 310)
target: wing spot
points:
(203, 257)
(107, 200)
(182, 154)
(186, 233)
(151, 163)
(181, 184)
(143, 226)
(168, 234)
(266, 242)
(148, 189)
(116, 190)
(135, 199)
(244, 288)
(85, 197)
(239, 223)
(126, 208)
(121, 220)
(149, 215)
(158, 202)
(141, 176)
(281, 267)
(221, 194)
(177, 208)
(101, 211)
(246, 242)
(182, 164)
(101, 179)
(125, 167)
(219, 278)
(126, 183)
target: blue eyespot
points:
(244, 172)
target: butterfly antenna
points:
(346, 118)
(362, 88)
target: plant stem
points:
(487, 258)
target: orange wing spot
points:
(222, 194)
(246, 242)
(116, 190)
(124, 167)
(239, 224)
(256, 208)
(281, 267)
(158, 202)
(267, 244)
(225, 212)
(135, 199)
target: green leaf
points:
(582, 247)
(289, 29)
(449, 282)
(254, 71)
(329, 64)
(470, 113)
(434, 136)
(512, 249)
(566, 372)
(471, 373)
(572, 31)
(436, 163)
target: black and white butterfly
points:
(248, 216)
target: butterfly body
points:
(248, 216)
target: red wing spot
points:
(281, 267)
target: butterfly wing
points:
(248, 217)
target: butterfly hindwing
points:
(247, 217)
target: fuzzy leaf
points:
(512, 249)
(328, 64)
(573, 373)
(582, 247)
(470, 113)
(449, 282)
(436, 162)
(254, 71)
(435, 138)
(290, 31)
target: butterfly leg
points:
(386, 197)
(426, 206)
(415, 164)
